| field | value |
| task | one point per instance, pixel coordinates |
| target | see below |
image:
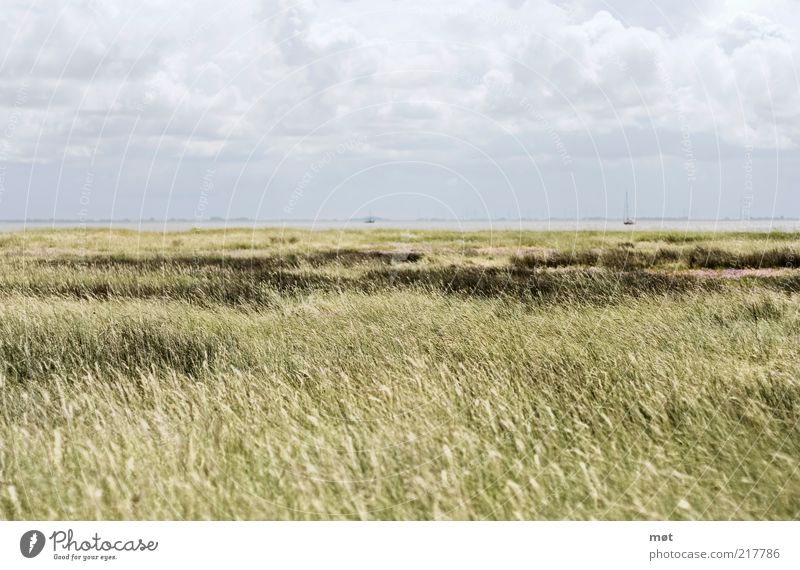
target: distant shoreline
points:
(589, 224)
(388, 220)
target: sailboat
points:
(627, 220)
(369, 219)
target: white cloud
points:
(246, 82)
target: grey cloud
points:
(242, 84)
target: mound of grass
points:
(721, 259)
(628, 258)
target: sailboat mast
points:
(627, 220)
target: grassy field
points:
(399, 375)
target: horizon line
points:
(381, 219)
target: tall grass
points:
(697, 257)
(378, 388)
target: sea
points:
(759, 225)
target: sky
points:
(339, 109)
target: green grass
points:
(333, 375)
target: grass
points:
(698, 257)
(398, 375)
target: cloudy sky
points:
(276, 109)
